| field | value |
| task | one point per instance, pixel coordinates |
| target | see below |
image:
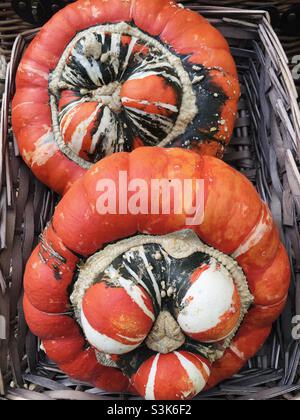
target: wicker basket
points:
(265, 147)
(10, 26)
(279, 10)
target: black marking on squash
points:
(118, 61)
(130, 363)
(157, 272)
(50, 257)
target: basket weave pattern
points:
(265, 147)
(10, 26)
(291, 44)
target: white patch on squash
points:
(81, 131)
(207, 300)
(237, 352)
(193, 373)
(150, 387)
(45, 148)
(259, 231)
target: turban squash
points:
(148, 300)
(105, 76)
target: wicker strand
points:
(10, 26)
(2, 74)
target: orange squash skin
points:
(239, 224)
(168, 366)
(115, 314)
(186, 33)
(245, 345)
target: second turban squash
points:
(130, 298)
